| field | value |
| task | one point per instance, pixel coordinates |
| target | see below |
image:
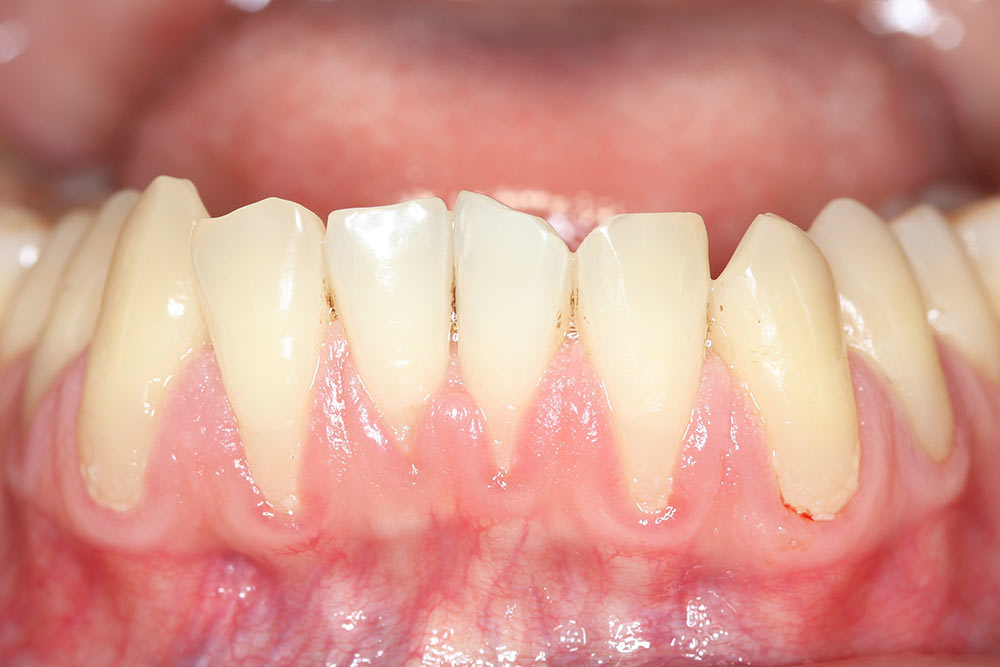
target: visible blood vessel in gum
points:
(437, 538)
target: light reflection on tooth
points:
(22, 235)
(260, 280)
(150, 321)
(73, 316)
(32, 300)
(957, 307)
(512, 299)
(978, 226)
(884, 318)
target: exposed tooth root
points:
(978, 225)
(643, 297)
(260, 280)
(512, 299)
(32, 300)
(22, 235)
(149, 322)
(73, 316)
(390, 270)
(775, 319)
(884, 318)
(956, 306)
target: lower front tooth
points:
(31, 302)
(22, 235)
(978, 225)
(956, 306)
(775, 319)
(74, 311)
(260, 279)
(150, 321)
(643, 285)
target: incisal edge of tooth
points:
(978, 226)
(956, 305)
(32, 300)
(884, 318)
(22, 236)
(775, 319)
(643, 286)
(150, 321)
(512, 299)
(73, 315)
(260, 281)
(390, 270)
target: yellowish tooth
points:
(642, 306)
(978, 226)
(150, 321)
(512, 301)
(883, 316)
(956, 305)
(22, 235)
(32, 300)
(260, 280)
(775, 319)
(390, 269)
(73, 316)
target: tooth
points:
(642, 313)
(390, 270)
(32, 300)
(22, 235)
(260, 280)
(512, 299)
(73, 315)
(955, 303)
(978, 225)
(883, 316)
(150, 321)
(775, 319)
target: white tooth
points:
(150, 321)
(642, 313)
(390, 270)
(776, 320)
(32, 300)
(956, 306)
(260, 280)
(73, 316)
(978, 225)
(22, 235)
(512, 301)
(883, 316)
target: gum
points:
(431, 554)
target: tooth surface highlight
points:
(22, 235)
(73, 316)
(776, 321)
(260, 281)
(32, 300)
(390, 270)
(955, 304)
(512, 301)
(884, 318)
(149, 323)
(643, 286)
(978, 225)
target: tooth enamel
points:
(978, 225)
(73, 316)
(776, 321)
(32, 300)
(22, 235)
(883, 316)
(955, 303)
(512, 300)
(260, 281)
(149, 322)
(641, 311)
(390, 270)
